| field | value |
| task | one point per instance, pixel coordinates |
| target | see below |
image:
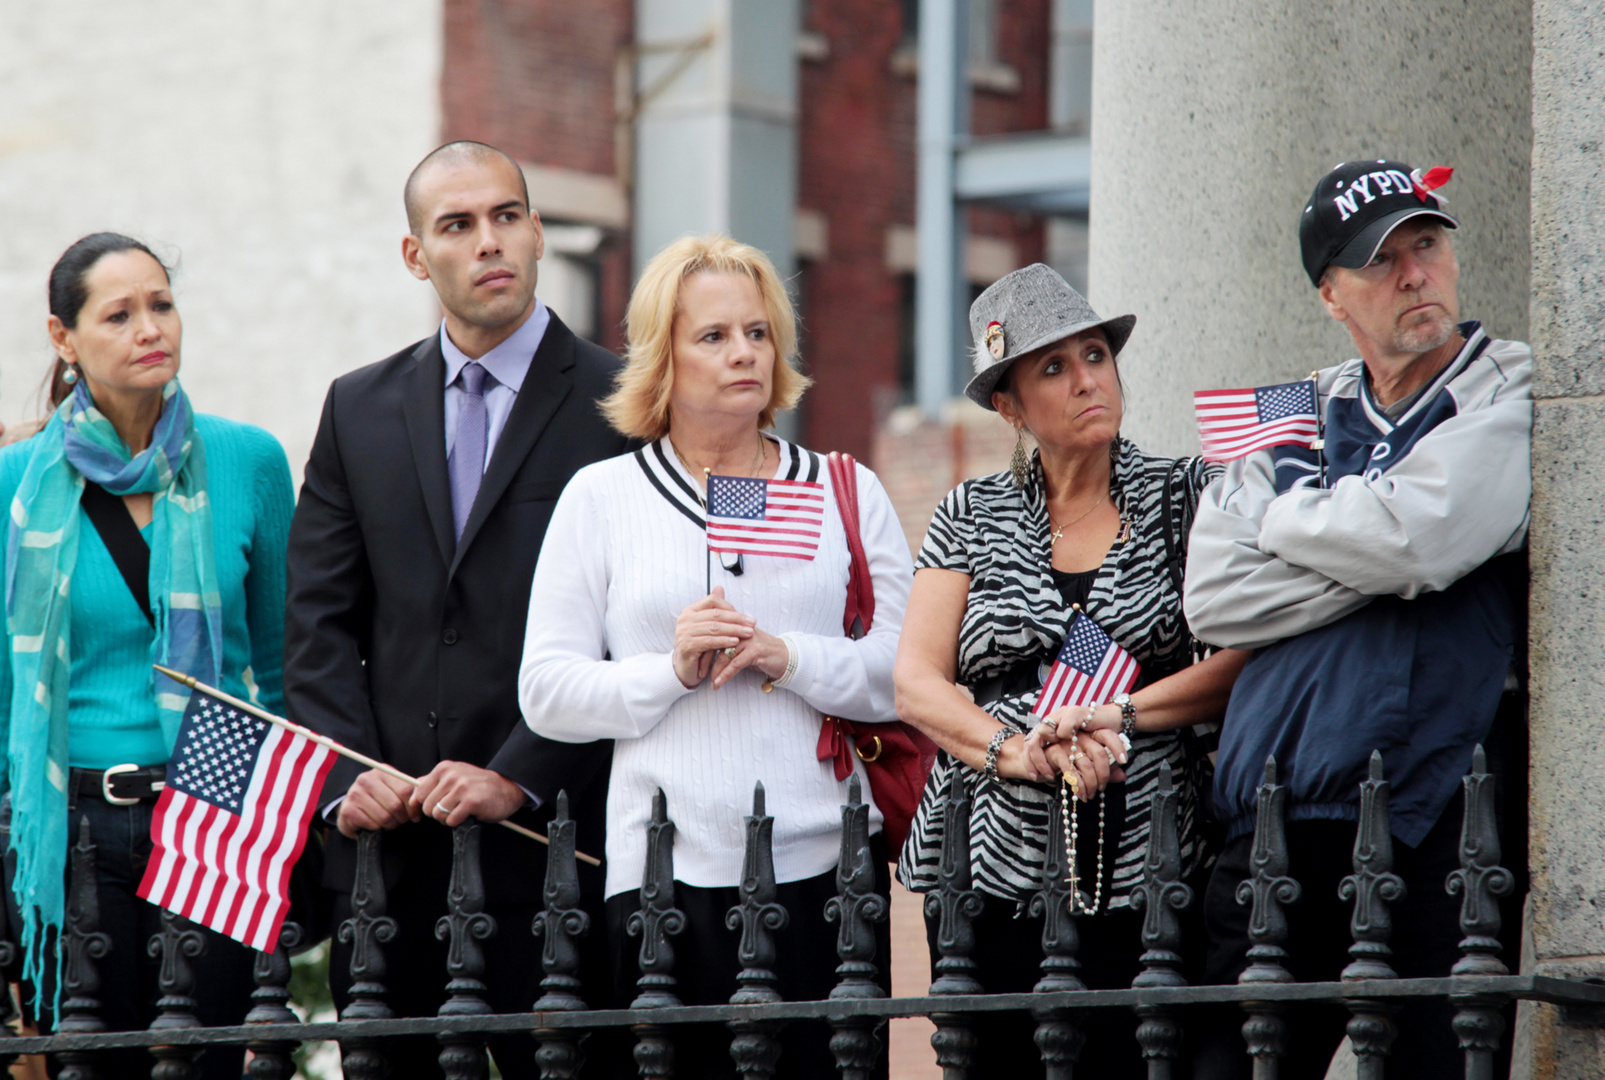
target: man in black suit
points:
(427, 494)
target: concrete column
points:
(1211, 123)
(1568, 540)
(716, 127)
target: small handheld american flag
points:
(232, 820)
(751, 516)
(1090, 669)
(1233, 423)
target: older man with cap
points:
(1379, 577)
(1076, 552)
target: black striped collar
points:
(665, 473)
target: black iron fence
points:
(1478, 986)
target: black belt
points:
(120, 785)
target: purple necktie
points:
(467, 458)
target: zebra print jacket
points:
(998, 534)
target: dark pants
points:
(1008, 958)
(1425, 940)
(128, 973)
(416, 976)
(706, 966)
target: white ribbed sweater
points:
(619, 563)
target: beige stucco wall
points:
(262, 145)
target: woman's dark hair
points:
(69, 289)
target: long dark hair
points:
(69, 290)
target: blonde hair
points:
(639, 404)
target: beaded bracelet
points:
(993, 748)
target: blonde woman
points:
(712, 670)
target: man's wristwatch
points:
(1128, 714)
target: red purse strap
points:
(859, 614)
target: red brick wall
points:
(857, 160)
(535, 78)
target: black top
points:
(1074, 587)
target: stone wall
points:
(261, 146)
(1568, 525)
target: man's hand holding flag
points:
(231, 822)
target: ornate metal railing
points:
(1479, 985)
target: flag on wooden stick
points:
(232, 820)
(213, 696)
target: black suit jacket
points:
(405, 644)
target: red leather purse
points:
(897, 758)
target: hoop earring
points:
(1019, 463)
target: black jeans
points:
(1008, 959)
(128, 973)
(706, 966)
(1425, 940)
(416, 974)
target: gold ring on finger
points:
(731, 650)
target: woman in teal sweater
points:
(86, 726)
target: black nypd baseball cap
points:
(1356, 206)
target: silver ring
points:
(442, 808)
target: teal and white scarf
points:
(41, 551)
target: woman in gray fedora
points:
(1085, 526)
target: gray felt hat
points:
(1026, 310)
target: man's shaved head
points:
(462, 152)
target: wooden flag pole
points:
(344, 751)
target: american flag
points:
(1232, 423)
(232, 820)
(1089, 670)
(765, 517)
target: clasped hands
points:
(1080, 739)
(450, 793)
(712, 637)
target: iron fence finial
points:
(856, 909)
(656, 921)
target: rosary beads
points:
(1069, 794)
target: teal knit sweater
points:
(111, 711)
